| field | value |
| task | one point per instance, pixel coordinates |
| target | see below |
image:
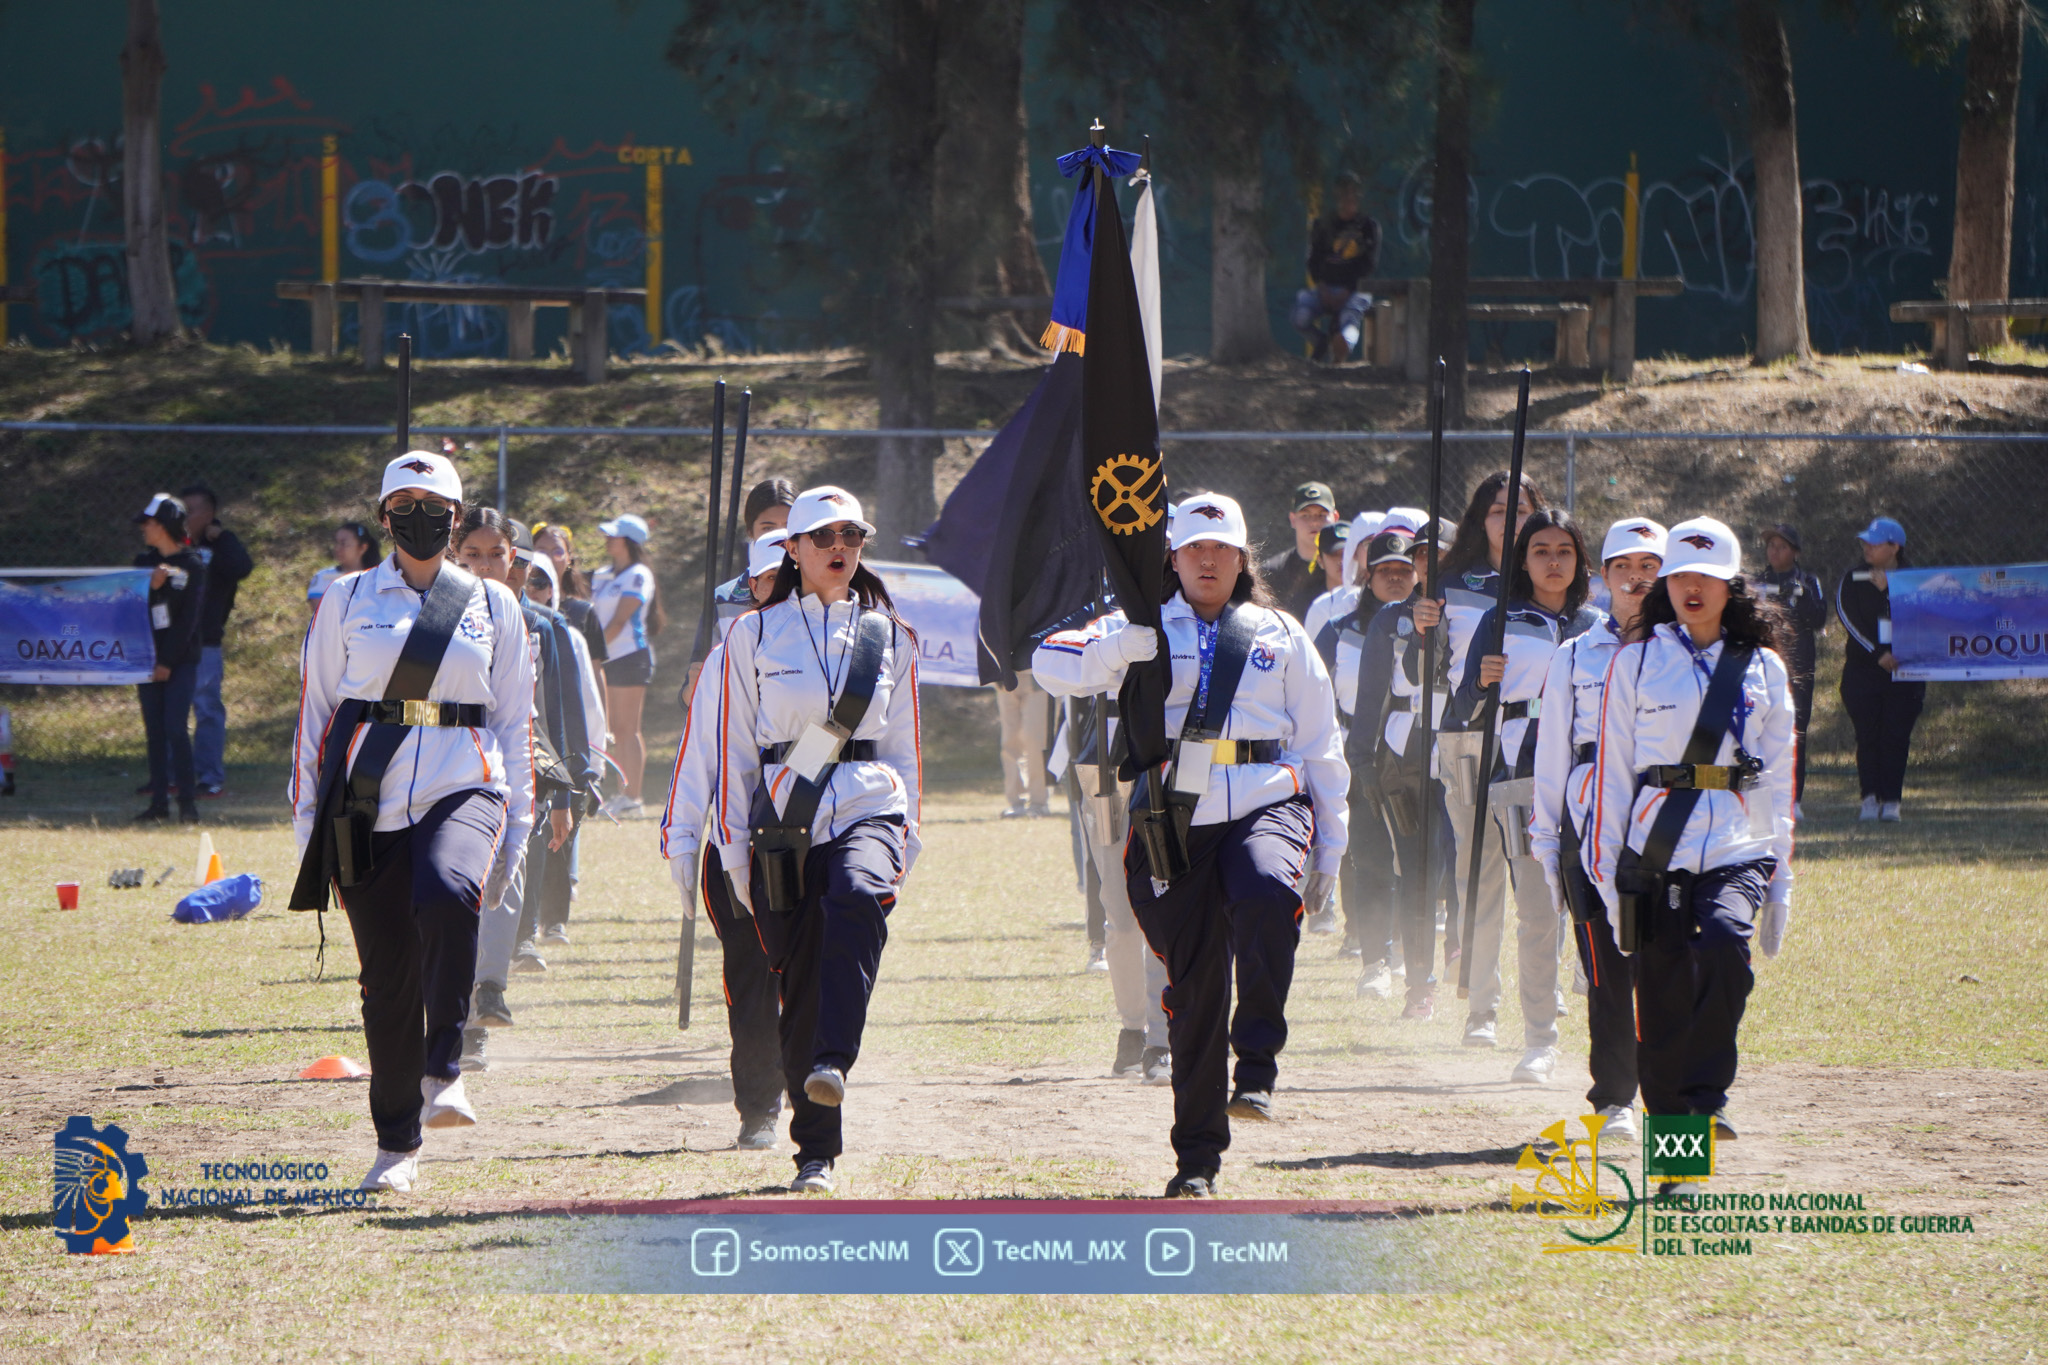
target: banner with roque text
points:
(1970, 624)
(90, 628)
(944, 612)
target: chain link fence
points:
(73, 487)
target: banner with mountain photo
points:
(87, 627)
(1970, 624)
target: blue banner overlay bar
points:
(924, 1247)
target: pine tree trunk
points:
(1239, 329)
(902, 360)
(1980, 265)
(1450, 225)
(151, 297)
(1777, 229)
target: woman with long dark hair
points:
(177, 592)
(1261, 779)
(1470, 575)
(415, 806)
(1882, 709)
(817, 798)
(628, 603)
(356, 548)
(1546, 607)
(1728, 874)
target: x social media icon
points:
(1170, 1251)
(957, 1251)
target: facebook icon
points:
(714, 1251)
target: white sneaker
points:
(1621, 1123)
(447, 1104)
(1889, 812)
(1479, 1033)
(1869, 811)
(825, 1085)
(1535, 1067)
(393, 1171)
(1321, 922)
(1375, 982)
(1098, 959)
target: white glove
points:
(742, 892)
(682, 870)
(1133, 644)
(1771, 932)
(498, 881)
(1316, 891)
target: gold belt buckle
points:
(1224, 752)
(420, 713)
(1711, 777)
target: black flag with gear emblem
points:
(1123, 470)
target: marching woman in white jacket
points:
(1566, 739)
(816, 798)
(414, 794)
(750, 1004)
(1730, 862)
(1264, 783)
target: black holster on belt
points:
(782, 843)
(1163, 832)
(1654, 905)
(1580, 900)
(1163, 825)
(1403, 787)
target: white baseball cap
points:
(162, 507)
(1410, 520)
(545, 567)
(766, 554)
(424, 471)
(1208, 516)
(1633, 536)
(629, 527)
(1702, 545)
(823, 506)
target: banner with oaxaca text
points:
(1970, 624)
(946, 615)
(90, 628)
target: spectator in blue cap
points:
(1881, 708)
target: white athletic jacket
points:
(1467, 598)
(360, 628)
(1653, 695)
(1571, 717)
(689, 786)
(1338, 605)
(773, 686)
(1284, 694)
(1528, 644)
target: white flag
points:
(1145, 268)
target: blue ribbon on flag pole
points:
(1069, 326)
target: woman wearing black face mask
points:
(412, 789)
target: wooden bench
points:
(1574, 321)
(1950, 321)
(1401, 316)
(588, 310)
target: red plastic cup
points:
(67, 895)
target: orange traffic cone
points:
(204, 862)
(213, 869)
(333, 1069)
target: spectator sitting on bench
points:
(1343, 249)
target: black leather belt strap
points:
(452, 714)
(1706, 777)
(1238, 751)
(1585, 753)
(851, 751)
(1517, 710)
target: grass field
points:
(1895, 1049)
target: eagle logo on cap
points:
(1212, 513)
(1647, 534)
(836, 499)
(1697, 541)
(418, 466)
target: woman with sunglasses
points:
(788, 665)
(451, 812)
(628, 604)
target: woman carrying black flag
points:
(1259, 780)
(1692, 816)
(817, 798)
(413, 791)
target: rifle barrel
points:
(404, 392)
(739, 477)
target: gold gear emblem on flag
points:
(1121, 497)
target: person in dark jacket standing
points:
(1806, 609)
(1295, 575)
(1882, 709)
(227, 564)
(177, 587)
